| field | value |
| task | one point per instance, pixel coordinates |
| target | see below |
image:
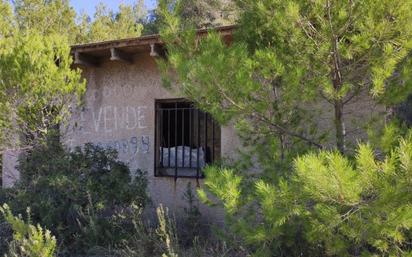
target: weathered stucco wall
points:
(119, 112)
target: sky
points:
(88, 6)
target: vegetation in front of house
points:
(94, 206)
(82, 196)
(332, 205)
(286, 58)
(28, 240)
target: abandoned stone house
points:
(127, 108)
(153, 129)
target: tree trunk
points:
(339, 126)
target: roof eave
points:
(140, 41)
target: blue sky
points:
(88, 6)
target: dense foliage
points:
(28, 240)
(46, 17)
(94, 205)
(58, 17)
(332, 205)
(37, 80)
(290, 60)
(290, 65)
(200, 13)
(82, 196)
(108, 25)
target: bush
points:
(332, 206)
(28, 240)
(192, 227)
(165, 239)
(83, 195)
(6, 233)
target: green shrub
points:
(167, 232)
(6, 232)
(192, 227)
(79, 194)
(332, 205)
(28, 240)
(6, 235)
(165, 239)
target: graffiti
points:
(91, 122)
(132, 145)
(108, 119)
(111, 118)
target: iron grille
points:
(186, 139)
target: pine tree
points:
(285, 58)
(201, 13)
(288, 54)
(36, 78)
(47, 17)
(207, 13)
(332, 206)
(107, 25)
(6, 20)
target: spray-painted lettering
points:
(132, 145)
(108, 119)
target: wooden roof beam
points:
(118, 55)
(85, 60)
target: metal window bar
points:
(160, 134)
(190, 137)
(213, 140)
(175, 141)
(165, 122)
(155, 139)
(198, 144)
(168, 137)
(206, 128)
(183, 137)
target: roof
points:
(91, 54)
